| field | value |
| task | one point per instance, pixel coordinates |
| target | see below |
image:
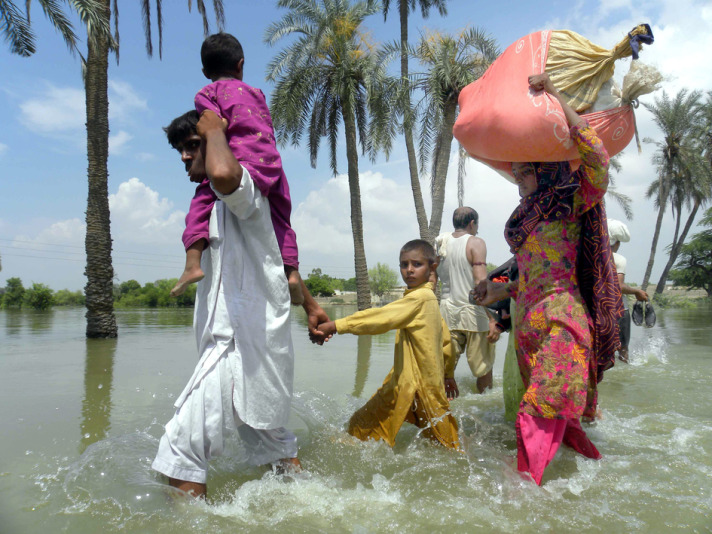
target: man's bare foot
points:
(287, 466)
(194, 489)
(188, 277)
(623, 355)
(295, 286)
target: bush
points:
(39, 297)
(64, 297)
(14, 293)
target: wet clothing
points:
(468, 323)
(251, 138)
(559, 237)
(242, 329)
(414, 390)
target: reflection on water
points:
(98, 382)
(363, 361)
(656, 438)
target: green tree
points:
(694, 266)
(65, 297)
(404, 8)
(319, 284)
(350, 284)
(382, 278)
(329, 75)
(99, 270)
(96, 16)
(623, 200)
(14, 293)
(39, 297)
(452, 62)
(675, 154)
(15, 26)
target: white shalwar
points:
(243, 380)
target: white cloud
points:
(118, 142)
(3, 148)
(146, 233)
(124, 100)
(59, 109)
(145, 156)
(62, 109)
(139, 215)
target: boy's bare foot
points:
(295, 286)
(188, 277)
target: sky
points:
(43, 185)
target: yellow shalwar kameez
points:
(414, 390)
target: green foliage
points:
(694, 265)
(39, 297)
(14, 293)
(64, 297)
(156, 294)
(318, 284)
(349, 284)
(382, 278)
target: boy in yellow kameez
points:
(414, 390)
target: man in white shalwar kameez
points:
(243, 380)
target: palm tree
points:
(99, 270)
(96, 16)
(691, 187)
(404, 8)
(677, 118)
(452, 63)
(329, 75)
(623, 200)
(15, 26)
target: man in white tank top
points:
(463, 263)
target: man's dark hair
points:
(220, 53)
(424, 247)
(182, 127)
(462, 216)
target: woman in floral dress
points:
(567, 301)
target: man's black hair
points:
(220, 54)
(424, 247)
(182, 127)
(462, 216)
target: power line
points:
(72, 246)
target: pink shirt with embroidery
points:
(251, 138)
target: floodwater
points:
(81, 421)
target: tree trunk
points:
(656, 235)
(99, 271)
(440, 167)
(676, 247)
(363, 291)
(408, 130)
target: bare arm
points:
(477, 256)
(627, 290)
(221, 166)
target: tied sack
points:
(502, 120)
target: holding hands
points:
(327, 329)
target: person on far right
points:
(618, 233)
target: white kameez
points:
(244, 341)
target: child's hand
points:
(451, 389)
(328, 329)
(315, 317)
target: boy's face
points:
(415, 268)
(192, 156)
